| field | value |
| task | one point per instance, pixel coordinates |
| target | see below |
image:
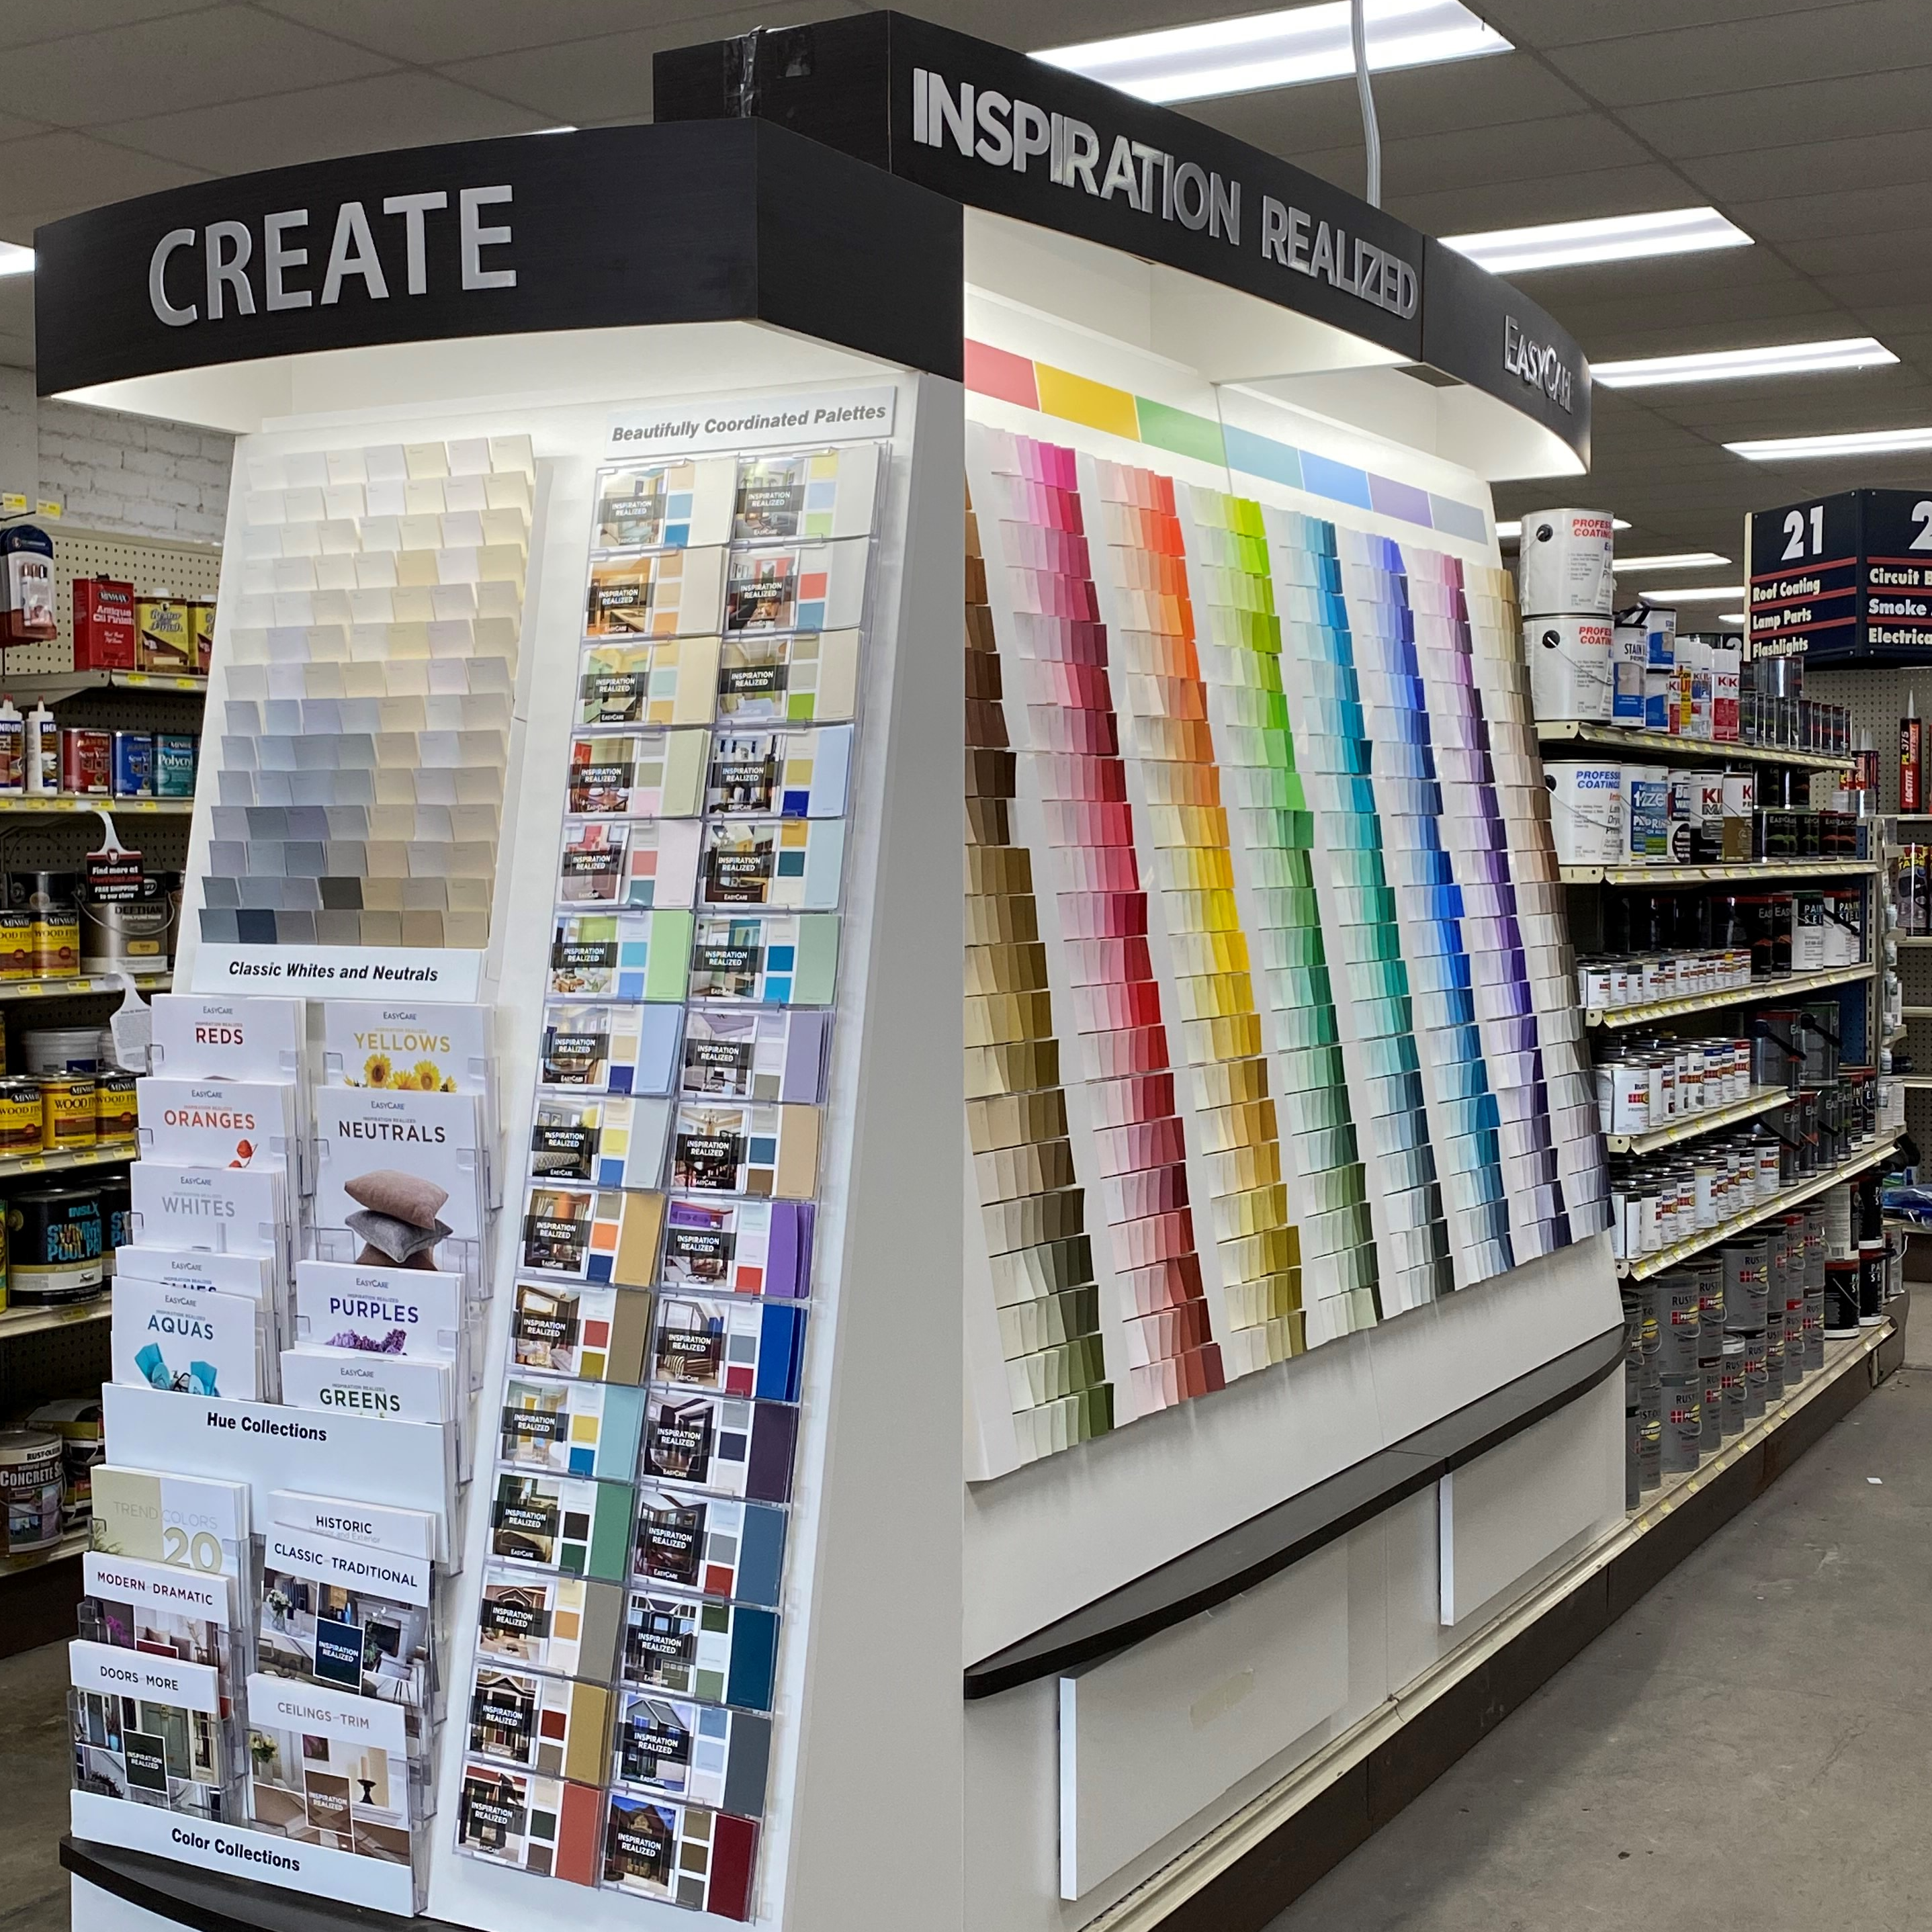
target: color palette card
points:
(384, 1158)
(231, 1210)
(666, 506)
(734, 1148)
(416, 1313)
(657, 774)
(588, 1234)
(404, 1047)
(817, 586)
(803, 679)
(610, 1140)
(779, 959)
(574, 1525)
(715, 1442)
(632, 863)
(610, 1049)
(546, 1825)
(720, 1547)
(553, 1725)
(673, 593)
(224, 1036)
(636, 956)
(699, 1647)
(793, 863)
(654, 1848)
(569, 1626)
(675, 681)
(688, 1750)
(337, 1612)
(570, 1428)
(819, 492)
(235, 1123)
(754, 1055)
(600, 1334)
(332, 1768)
(795, 774)
(735, 1347)
(738, 1247)
(193, 1341)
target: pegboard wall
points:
(148, 563)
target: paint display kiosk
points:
(1176, 1299)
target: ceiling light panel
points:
(15, 260)
(1682, 559)
(1731, 365)
(1857, 443)
(1286, 48)
(1615, 238)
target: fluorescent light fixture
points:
(1723, 592)
(1682, 559)
(1858, 442)
(15, 260)
(1283, 49)
(564, 127)
(1616, 238)
(1729, 365)
(1731, 617)
(1515, 529)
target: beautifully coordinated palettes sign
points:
(619, 1717)
(1271, 1028)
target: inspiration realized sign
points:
(1843, 578)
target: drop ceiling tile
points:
(1691, 63)
(195, 60)
(46, 176)
(1909, 249)
(1881, 285)
(1870, 210)
(404, 110)
(433, 36)
(609, 78)
(1478, 158)
(12, 129)
(1817, 408)
(16, 305)
(1556, 23)
(1812, 168)
(50, 19)
(1533, 198)
(1896, 100)
(1809, 317)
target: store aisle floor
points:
(1751, 1746)
(34, 1781)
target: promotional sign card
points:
(231, 1124)
(805, 680)
(736, 1348)
(792, 864)
(628, 863)
(228, 1036)
(576, 1526)
(571, 1428)
(187, 1522)
(612, 1049)
(332, 1768)
(627, 955)
(716, 1246)
(547, 1724)
(714, 1442)
(382, 1311)
(666, 506)
(791, 774)
(675, 681)
(817, 586)
(594, 1334)
(720, 1653)
(819, 492)
(405, 1047)
(569, 1626)
(403, 1532)
(655, 1848)
(547, 1826)
(399, 1178)
(194, 1341)
(231, 1210)
(672, 594)
(777, 959)
(770, 1152)
(605, 1237)
(685, 1750)
(149, 1729)
(754, 1055)
(162, 1610)
(720, 1547)
(654, 773)
(347, 1614)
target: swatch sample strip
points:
(1275, 863)
(370, 668)
(1129, 1132)
(649, 1417)
(1033, 1212)
(1185, 825)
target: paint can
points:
(117, 1220)
(1755, 1372)
(30, 1485)
(1841, 1298)
(1623, 1096)
(1586, 811)
(1646, 799)
(1871, 1281)
(55, 1239)
(16, 945)
(1814, 1331)
(67, 1113)
(1746, 1265)
(1683, 1398)
(1650, 1437)
(133, 764)
(1678, 1321)
(1627, 674)
(19, 1117)
(1633, 1451)
(116, 1109)
(1774, 1357)
(87, 762)
(49, 1053)
(1777, 1050)
(133, 928)
(1569, 668)
(1733, 1419)
(1712, 1437)
(1566, 564)
(1708, 1274)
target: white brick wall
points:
(126, 473)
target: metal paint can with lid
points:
(20, 1116)
(31, 1487)
(67, 1113)
(1683, 1422)
(56, 1239)
(1733, 1419)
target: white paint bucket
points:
(1569, 668)
(1586, 811)
(1566, 564)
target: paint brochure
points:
(621, 955)
(817, 587)
(570, 1428)
(784, 774)
(674, 681)
(793, 865)
(406, 1532)
(229, 1123)
(672, 594)
(194, 1523)
(818, 492)
(712, 1544)
(654, 772)
(754, 1055)
(630, 864)
(569, 1626)
(728, 1347)
(231, 1210)
(228, 1036)
(406, 1388)
(403, 1173)
(714, 1245)
(551, 1725)
(595, 1334)
(193, 1341)
(803, 679)
(716, 1442)
(776, 959)
(610, 1141)
(546, 1825)
(729, 1147)
(612, 1049)
(384, 1311)
(577, 1526)
(164, 1612)
(585, 1234)
(720, 1653)
(688, 1750)
(665, 506)
(680, 1855)
(407, 1048)
(149, 1729)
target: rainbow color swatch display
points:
(1325, 1063)
(649, 1421)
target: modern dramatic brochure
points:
(619, 1717)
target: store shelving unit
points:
(13, 990)
(70, 1546)
(1793, 986)
(15, 1322)
(1653, 745)
(52, 685)
(12, 1166)
(1742, 873)
(50, 806)
(1694, 1127)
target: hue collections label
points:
(1844, 577)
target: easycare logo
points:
(1538, 365)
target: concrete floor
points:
(1751, 1746)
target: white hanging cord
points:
(1372, 137)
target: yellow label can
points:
(67, 1113)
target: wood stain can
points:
(163, 633)
(20, 1116)
(16, 945)
(67, 1105)
(114, 1106)
(31, 1487)
(55, 1238)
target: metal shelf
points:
(31, 1321)
(72, 1544)
(13, 1165)
(1696, 751)
(42, 808)
(1779, 1204)
(1738, 874)
(60, 989)
(53, 685)
(1613, 1017)
(1758, 1100)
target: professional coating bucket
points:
(1570, 670)
(1586, 811)
(1841, 1299)
(1566, 564)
